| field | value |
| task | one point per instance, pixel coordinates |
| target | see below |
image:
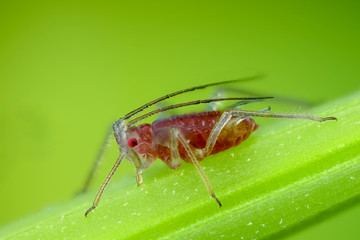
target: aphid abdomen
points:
(235, 132)
(196, 128)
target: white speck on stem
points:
(105, 216)
(196, 190)
(249, 159)
(263, 225)
(165, 190)
(37, 226)
(176, 184)
(62, 218)
(227, 171)
(271, 209)
(173, 192)
(232, 155)
(306, 195)
(63, 228)
(250, 223)
(352, 177)
(308, 207)
(299, 137)
(125, 204)
(119, 222)
(73, 223)
(187, 198)
(280, 221)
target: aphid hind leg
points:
(243, 113)
(214, 134)
(200, 170)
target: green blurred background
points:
(68, 69)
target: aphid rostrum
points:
(189, 137)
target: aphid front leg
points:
(139, 176)
(200, 170)
(105, 183)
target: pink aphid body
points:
(189, 137)
(152, 140)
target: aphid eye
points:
(132, 142)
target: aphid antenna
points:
(142, 117)
(132, 113)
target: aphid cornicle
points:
(189, 137)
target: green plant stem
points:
(287, 173)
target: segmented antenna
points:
(132, 113)
(142, 117)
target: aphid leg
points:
(105, 183)
(175, 156)
(97, 161)
(139, 176)
(200, 170)
(243, 113)
(214, 134)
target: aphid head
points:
(119, 128)
(140, 146)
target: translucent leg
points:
(139, 177)
(214, 134)
(105, 183)
(200, 170)
(175, 156)
(243, 113)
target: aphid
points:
(189, 137)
